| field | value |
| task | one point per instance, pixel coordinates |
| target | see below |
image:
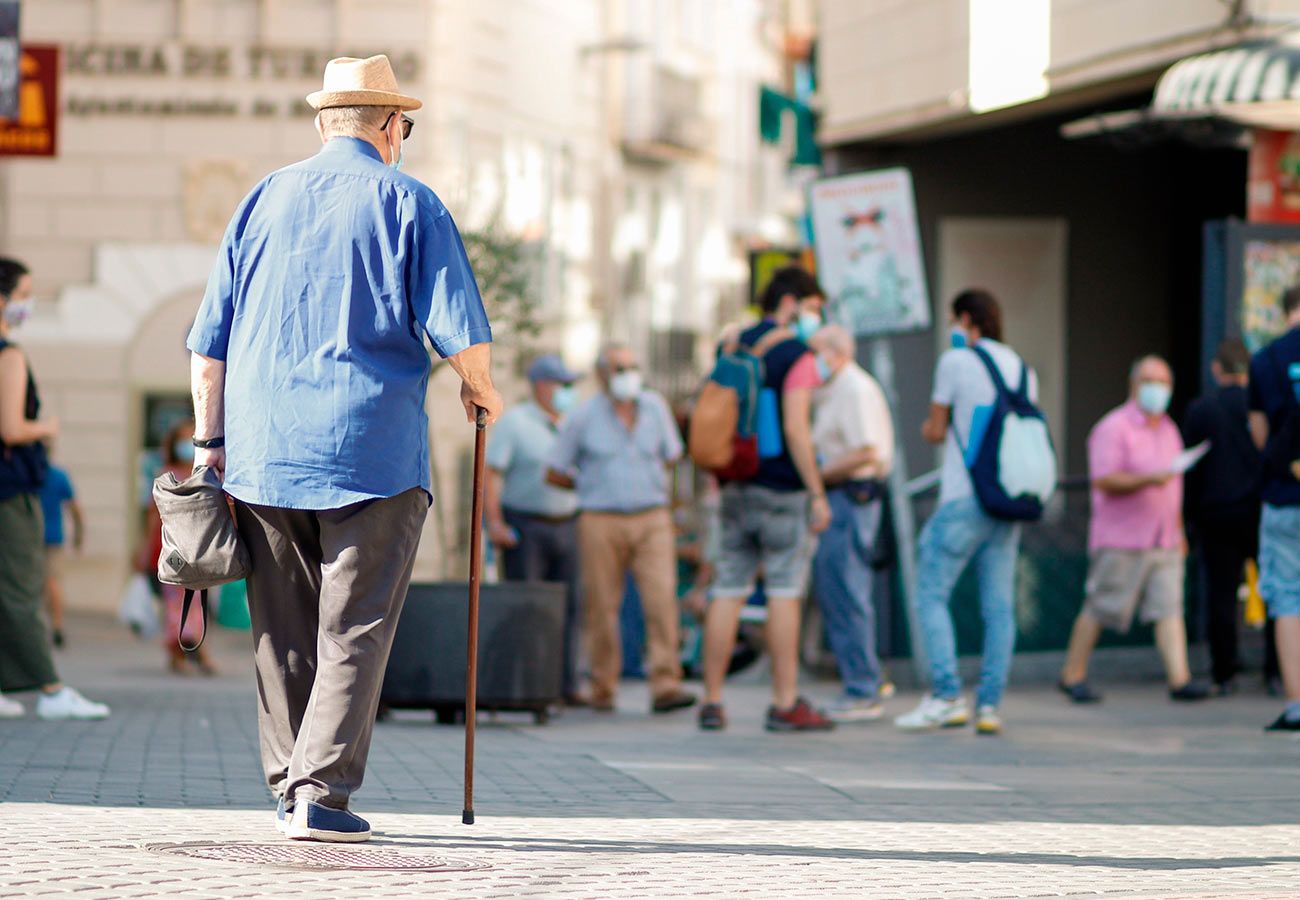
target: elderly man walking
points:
(615, 449)
(310, 371)
(1138, 550)
(532, 522)
(853, 434)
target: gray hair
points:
(354, 121)
(602, 359)
(1142, 361)
(837, 338)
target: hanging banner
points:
(34, 130)
(869, 251)
(1273, 179)
(8, 59)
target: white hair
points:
(602, 359)
(837, 338)
(354, 121)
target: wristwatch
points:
(209, 443)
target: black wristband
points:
(209, 443)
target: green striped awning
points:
(1256, 83)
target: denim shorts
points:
(1279, 559)
(767, 529)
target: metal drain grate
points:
(318, 856)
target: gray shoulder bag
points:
(200, 544)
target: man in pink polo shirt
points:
(1136, 541)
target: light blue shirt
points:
(617, 469)
(519, 447)
(330, 277)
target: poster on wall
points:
(868, 250)
(1273, 179)
(9, 59)
(1270, 268)
(34, 130)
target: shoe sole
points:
(787, 729)
(98, 717)
(988, 730)
(12, 713)
(329, 837)
(935, 726)
(660, 710)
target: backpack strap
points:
(185, 614)
(999, 383)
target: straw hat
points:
(360, 82)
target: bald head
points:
(1151, 385)
(1151, 368)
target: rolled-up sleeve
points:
(444, 294)
(1106, 451)
(210, 334)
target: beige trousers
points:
(611, 545)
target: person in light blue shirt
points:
(58, 496)
(615, 450)
(310, 368)
(533, 523)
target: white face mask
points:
(17, 311)
(625, 385)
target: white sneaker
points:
(987, 720)
(10, 709)
(68, 704)
(848, 708)
(935, 712)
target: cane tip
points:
(467, 817)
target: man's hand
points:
(819, 514)
(490, 400)
(502, 535)
(215, 458)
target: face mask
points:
(396, 154)
(17, 311)
(564, 398)
(183, 451)
(1153, 397)
(824, 370)
(807, 325)
(957, 338)
(625, 385)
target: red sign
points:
(1273, 179)
(36, 130)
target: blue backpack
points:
(1009, 451)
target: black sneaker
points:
(712, 717)
(1190, 692)
(1225, 688)
(1079, 692)
(1284, 724)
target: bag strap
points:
(999, 383)
(185, 614)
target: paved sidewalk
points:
(1135, 798)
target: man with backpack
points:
(982, 402)
(1275, 426)
(772, 507)
(1136, 543)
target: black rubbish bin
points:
(520, 649)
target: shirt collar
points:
(353, 146)
(1138, 417)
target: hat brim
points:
(330, 99)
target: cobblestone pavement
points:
(1136, 798)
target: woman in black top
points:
(25, 660)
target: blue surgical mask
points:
(183, 451)
(564, 398)
(807, 325)
(824, 371)
(957, 338)
(1153, 397)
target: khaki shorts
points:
(1122, 582)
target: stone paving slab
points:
(1137, 798)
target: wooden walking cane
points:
(475, 575)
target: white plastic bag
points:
(138, 608)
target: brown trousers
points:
(611, 545)
(324, 596)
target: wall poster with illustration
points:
(868, 250)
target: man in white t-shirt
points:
(853, 434)
(960, 533)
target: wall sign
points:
(8, 59)
(34, 131)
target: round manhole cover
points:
(318, 856)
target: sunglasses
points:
(619, 370)
(407, 124)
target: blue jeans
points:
(957, 534)
(842, 581)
